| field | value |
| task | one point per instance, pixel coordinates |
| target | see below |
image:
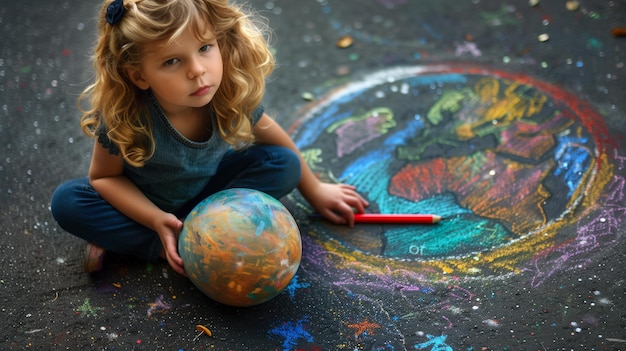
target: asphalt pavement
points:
(505, 117)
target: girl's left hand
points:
(168, 227)
(337, 202)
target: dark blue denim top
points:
(180, 168)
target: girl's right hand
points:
(168, 226)
(337, 202)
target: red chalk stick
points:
(396, 218)
(375, 218)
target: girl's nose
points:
(196, 69)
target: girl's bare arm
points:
(336, 202)
(106, 175)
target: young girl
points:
(175, 114)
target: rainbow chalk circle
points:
(240, 247)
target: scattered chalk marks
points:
(434, 343)
(592, 232)
(87, 310)
(295, 285)
(158, 306)
(467, 47)
(292, 333)
(364, 328)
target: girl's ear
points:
(137, 78)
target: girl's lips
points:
(202, 91)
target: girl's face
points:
(183, 75)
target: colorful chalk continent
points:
(240, 247)
(508, 160)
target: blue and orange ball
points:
(240, 247)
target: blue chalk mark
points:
(318, 125)
(292, 332)
(573, 160)
(294, 285)
(434, 343)
(386, 346)
(430, 79)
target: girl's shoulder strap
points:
(257, 113)
(103, 139)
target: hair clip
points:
(115, 11)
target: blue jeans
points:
(81, 211)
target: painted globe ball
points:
(240, 247)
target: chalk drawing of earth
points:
(508, 160)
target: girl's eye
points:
(170, 62)
(205, 48)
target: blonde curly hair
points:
(115, 101)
